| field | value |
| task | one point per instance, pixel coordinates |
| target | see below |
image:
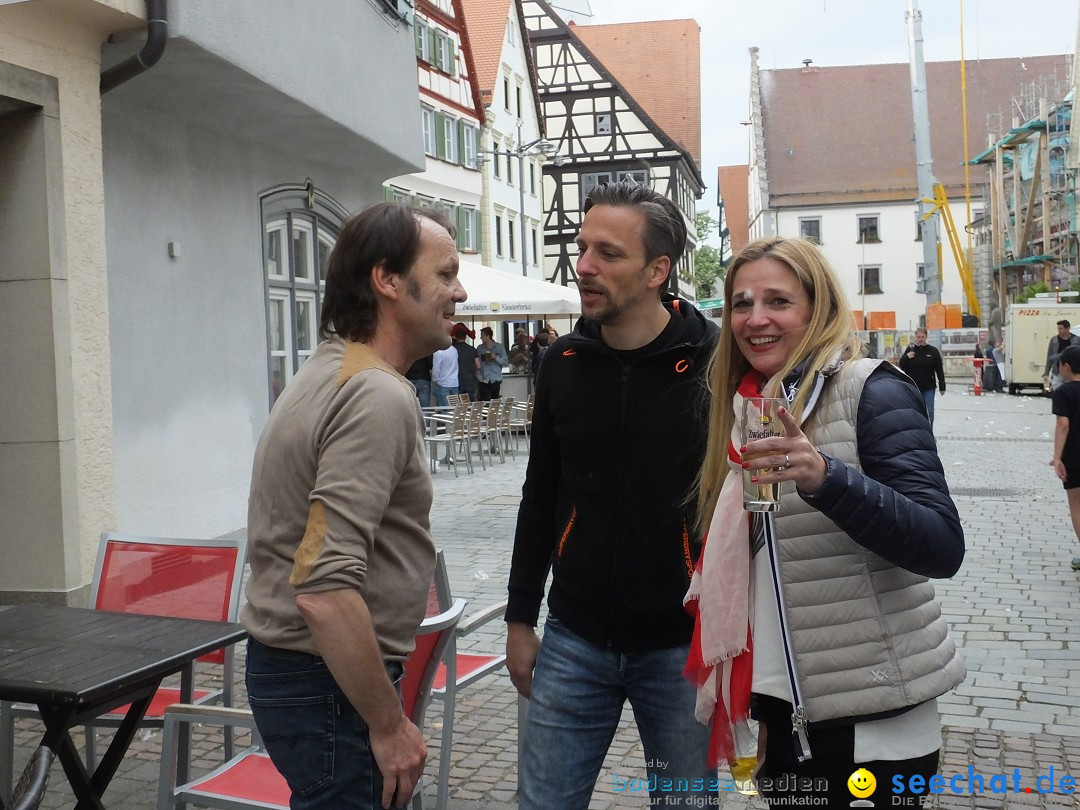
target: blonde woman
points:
(821, 610)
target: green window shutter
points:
(440, 135)
(452, 51)
(433, 46)
(418, 35)
(476, 222)
(459, 211)
(388, 194)
(461, 125)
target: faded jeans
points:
(423, 391)
(578, 692)
(441, 394)
(314, 736)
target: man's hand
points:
(1059, 468)
(400, 754)
(522, 646)
(911, 355)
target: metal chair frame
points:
(416, 689)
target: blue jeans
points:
(311, 731)
(578, 692)
(441, 392)
(928, 400)
(423, 391)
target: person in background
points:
(541, 346)
(444, 375)
(468, 360)
(492, 359)
(922, 362)
(419, 374)
(1057, 345)
(520, 353)
(338, 529)
(822, 610)
(999, 360)
(1066, 409)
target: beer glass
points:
(761, 420)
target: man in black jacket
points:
(1059, 343)
(617, 439)
(922, 362)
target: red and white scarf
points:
(721, 660)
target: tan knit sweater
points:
(340, 498)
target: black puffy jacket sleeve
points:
(899, 506)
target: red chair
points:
(194, 579)
(250, 780)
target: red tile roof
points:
(845, 134)
(659, 64)
(486, 23)
(734, 182)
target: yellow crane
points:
(941, 203)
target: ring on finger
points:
(787, 461)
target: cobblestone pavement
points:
(1012, 607)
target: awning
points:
(496, 295)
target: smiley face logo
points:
(862, 783)
(765, 419)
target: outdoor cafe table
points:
(76, 664)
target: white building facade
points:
(173, 237)
(449, 122)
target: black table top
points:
(66, 655)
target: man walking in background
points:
(1061, 341)
(922, 362)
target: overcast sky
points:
(831, 32)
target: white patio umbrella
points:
(495, 295)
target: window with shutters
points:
(498, 236)
(532, 234)
(468, 221)
(422, 38)
(427, 118)
(450, 139)
(511, 230)
(469, 137)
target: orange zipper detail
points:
(566, 531)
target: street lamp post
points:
(539, 146)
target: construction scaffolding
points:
(1031, 233)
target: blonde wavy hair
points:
(828, 332)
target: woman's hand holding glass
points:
(790, 457)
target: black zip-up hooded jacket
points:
(617, 440)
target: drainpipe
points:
(157, 34)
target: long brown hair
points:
(829, 331)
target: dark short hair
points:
(542, 338)
(384, 233)
(1064, 323)
(1071, 358)
(665, 228)
(487, 331)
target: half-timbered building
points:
(616, 114)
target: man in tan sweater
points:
(338, 521)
